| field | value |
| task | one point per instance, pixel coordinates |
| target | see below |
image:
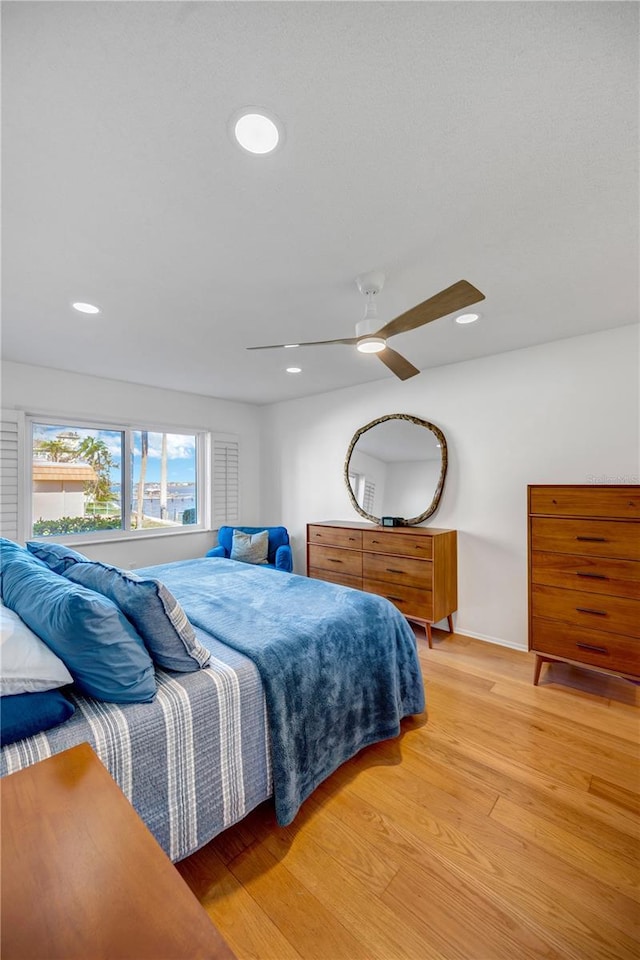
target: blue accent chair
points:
(279, 556)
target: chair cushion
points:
(250, 547)
(27, 664)
(25, 714)
(104, 654)
(152, 609)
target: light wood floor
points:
(501, 824)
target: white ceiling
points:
(495, 142)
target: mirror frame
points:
(431, 509)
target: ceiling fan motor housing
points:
(369, 284)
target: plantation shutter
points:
(226, 481)
(11, 473)
(369, 495)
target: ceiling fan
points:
(368, 339)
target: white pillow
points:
(26, 662)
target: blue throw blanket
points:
(339, 666)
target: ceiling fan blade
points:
(461, 294)
(312, 343)
(397, 363)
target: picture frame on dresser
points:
(584, 576)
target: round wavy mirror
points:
(395, 467)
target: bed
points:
(303, 674)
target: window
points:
(88, 479)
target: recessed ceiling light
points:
(468, 318)
(86, 308)
(371, 345)
(294, 369)
(257, 130)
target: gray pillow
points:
(153, 611)
(250, 547)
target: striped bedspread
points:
(192, 763)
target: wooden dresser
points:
(83, 877)
(414, 567)
(584, 576)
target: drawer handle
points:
(592, 648)
(593, 539)
(396, 599)
(375, 541)
(317, 535)
(393, 570)
(596, 613)
(352, 539)
(592, 576)
(331, 560)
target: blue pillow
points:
(105, 656)
(26, 714)
(152, 609)
(9, 549)
(55, 555)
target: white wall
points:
(564, 412)
(411, 486)
(41, 391)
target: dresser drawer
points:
(592, 501)
(608, 650)
(602, 613)
(335, 576)
(393, 569)
(593, 538)
(336, 536)
(335, 558)
(411, 601)
(617, 578)
(398, 544)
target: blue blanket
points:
(339, 666)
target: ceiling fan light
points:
(467, 318)
(371, 345)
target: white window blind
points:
(226, 481)
(369, 496)
(11, 473)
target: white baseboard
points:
(497, 640)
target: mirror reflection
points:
(395, 467)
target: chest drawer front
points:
(398, 544)
(608, 614)
(617, 578)
(391, 569)
(622, 503)
(334, 558)
(411, 601)
(335, 536)
(334, 576)
(592, 538)
(608, 650)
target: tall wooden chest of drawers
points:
(584, 576)
(414, 567)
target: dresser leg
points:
(427, 628)
(450, 622)
(536, 673)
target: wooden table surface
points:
(82, 876)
